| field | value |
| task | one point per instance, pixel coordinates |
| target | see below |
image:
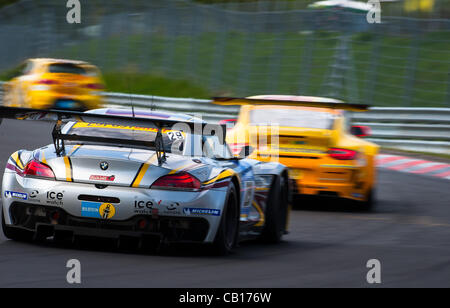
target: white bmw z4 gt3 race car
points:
(117, 173)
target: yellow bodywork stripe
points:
(261, 214)
(143, 170)
(225, 174)
(74, 149)
(68, 169)
(43, 158)
(15, 157)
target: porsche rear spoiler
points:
(60, 117)
(305, 101)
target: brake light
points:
(35, 168)
(342, 154)
(47, 81)
(95, 86)
(181, 180)
(229, 123)
(236, 147)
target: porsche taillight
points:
(37, 169)
(342, 154)
(47, 82)
(95, 86)
(182, 180)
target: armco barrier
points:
(411, 129)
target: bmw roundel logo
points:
(104, 165)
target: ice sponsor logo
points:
(144, 207)
(16, 195)
(55, 198)
(199, 211)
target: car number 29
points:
(175, 135)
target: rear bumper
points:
(48, 99)
(349, 182)
(48, 221)
(346, 191)
(165, 211)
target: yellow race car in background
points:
(55, 83)
(311, 136)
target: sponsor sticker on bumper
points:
(16, 195)
(200, 211)
(97, 210)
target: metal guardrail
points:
(410, 129)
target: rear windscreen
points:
(66, 68)
(292, 118)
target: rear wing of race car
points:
(61, 117)
(304, 101)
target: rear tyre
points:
(227, 234)
(369, 204)
(276, 211)
(16, 234)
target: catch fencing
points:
(238, 49)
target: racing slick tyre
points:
(276, 211)
(16, 234)
(227, 234)
(369, 204)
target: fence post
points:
(248, 50)
(411, 67)
(196, 36)
(448, 89)
(373, 69)
(306, 61)
(220, 46)
(171, 33)
(275, 67)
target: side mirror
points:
(229, 123)
(360, 131)
(246, 151)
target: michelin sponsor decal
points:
(200, 211)
(16, 195)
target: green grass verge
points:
(152, 84)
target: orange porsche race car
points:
(310, 135)
(54, 83)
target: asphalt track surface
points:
(328, 246)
